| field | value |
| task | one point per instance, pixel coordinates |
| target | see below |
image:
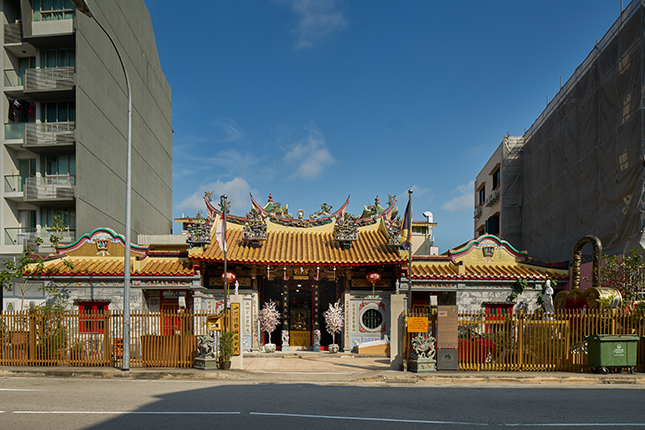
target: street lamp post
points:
(83, 7)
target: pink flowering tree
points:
(269, 317)
(334, 319)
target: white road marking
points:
(332, 417)
(18, 389)
(577, 425)
(126, 413)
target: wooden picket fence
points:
(534, 341)
(40, 338)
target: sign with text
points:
(235, 327)
(447, 333)
(417, 324)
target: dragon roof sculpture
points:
(279, 214)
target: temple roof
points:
(113, 266)
(447, 270)
(288, 245)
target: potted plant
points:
(225, 346)
(269, 319)
(334, 321)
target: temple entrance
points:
(299, 307)
(301, 314)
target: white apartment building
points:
(65, 112)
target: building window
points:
(495, 314)
(482, 195)
(52, 10)
(27, 169)
(496, 178)
(420, 229)
(23, 64)
(66, 214)
(492, 225)
(58, 112)
(59, 165)
(90, 316)
(372, 319)
(63, 57)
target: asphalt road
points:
(50, 403)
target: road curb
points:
(382, 377)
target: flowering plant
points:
(334, 319)
(269, 317)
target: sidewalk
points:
(316, 368)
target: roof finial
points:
(270, 198)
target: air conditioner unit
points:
(492, 197)
(478, 212)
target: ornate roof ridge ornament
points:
(346, 230)
(255, 228)
(393, 226)
(199, 230)
(279, 214)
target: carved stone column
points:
(347, 280)
(285, 315)
(316, 325)
(256, 336)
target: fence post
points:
(614, 317)
(106, 337)
(32, 338)
(520, 339)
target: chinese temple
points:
(482, 276)
(88, 275)
(304, 264)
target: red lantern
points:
(373, 278)
(228, 277)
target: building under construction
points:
(580, 168)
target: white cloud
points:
(464, 199)
(310, 155)
(237, 191)
(317, 20)
(231, 130)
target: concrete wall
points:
(101, 104)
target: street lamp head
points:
(83, 7)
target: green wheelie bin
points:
(612, 350)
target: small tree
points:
(269, 317)
(18, 272)
(627, 275)
(334, 319)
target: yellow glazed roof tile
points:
(291, 246)
(113, 266)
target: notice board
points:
(447, 327)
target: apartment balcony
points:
(20, 236)
(13, 33)
(14, 80)
(14, 134)
(26, 236)
(14, 41)
(49, 136)
(50, 189)
(50, 83)
(14, 186)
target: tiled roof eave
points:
(300, 263)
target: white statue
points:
(237, 287)
(548, 298)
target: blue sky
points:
(315, 100)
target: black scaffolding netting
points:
(579, 169)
